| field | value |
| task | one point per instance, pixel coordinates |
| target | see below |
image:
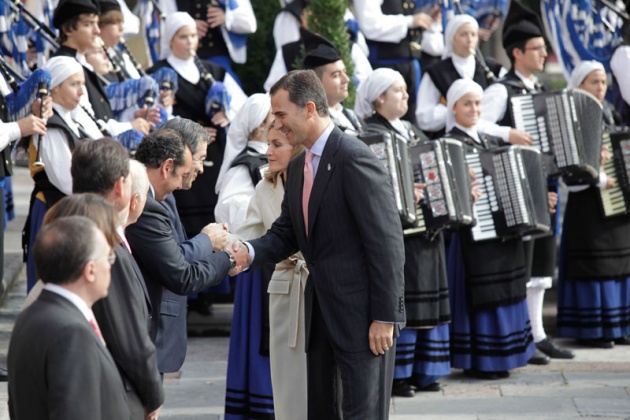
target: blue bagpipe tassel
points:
(217, 100)
(19, 103)
(166, 78)
(132, 92)
(5, 30)
(152, 29)
(130, 139)
(237, 40)
(20, 48)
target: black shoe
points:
(434, 387)
(401, 388)
(4, 375)
(503, 374)
(539, 358)
(623, 341)
(598, 344)
(479, 374)
(552, 350)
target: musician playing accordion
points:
(594, 274)
(525, 46)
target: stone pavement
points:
(596, 384)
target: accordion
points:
(441, 165)
(514, 201)
(567, 127)
(616, 200)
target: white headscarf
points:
(251, 115)
(459, 88)
(452, 27)
(582, 71)
(370, 89)
(61, 68)
(173, 23)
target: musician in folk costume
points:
(196, 79)
(619, 64)
(490, 331)
(52, 179)
(77, 21)
(422, 349)
(243, 160)
(110, 22)
(459, 60)
(524, 44)
(324, 59)
(594, 275)
(222, 28)
(400, 37)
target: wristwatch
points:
(232, 259)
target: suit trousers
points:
(345, 385)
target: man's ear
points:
(89, 273)
(118, 187)
(167, 168)
(311, 108)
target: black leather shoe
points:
(598, 344)
(552, 350)
(623, 341)
(478, 374)
(434, 387)
(4, 375)
(401, 388)
(503, 374)
(539, 358)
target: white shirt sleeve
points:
(234, 197)
(57, 158)
(236, 93)
(619, 64)
(494, 102)
(494, 129)
(278, 69)
(430, 113)
(379, 27)
(433, 40)
(9, 132)
(117, 127)
(286, 28)
(362, 66)
(241, 20)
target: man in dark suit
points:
(102, 167)
(58, 365)
(169, 274)
(353, 247)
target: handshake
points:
(223, 240)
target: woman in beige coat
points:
(286, 288)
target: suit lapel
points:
(324, 171)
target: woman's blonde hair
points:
(273, 176)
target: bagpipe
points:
(217, 97)
(485, 11)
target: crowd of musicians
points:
(476, 154)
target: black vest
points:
(253, 161)
(514, 86)
(407, 47)
(93, 86)
(444, 73)
(213, 43)
(290, 53)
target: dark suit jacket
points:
(354, 251)
(59, 369)
(170, 276)
(122, 317)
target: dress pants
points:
(346, 385)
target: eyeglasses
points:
(540, 49)
(111, 258)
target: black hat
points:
(108, 6)
(521, 24)
(319, 50)
(67, 9)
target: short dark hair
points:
(303, 86)
(191, 132)
(510, 50)
(63, 247)
(71, 25)
(97, 165)
(159, 146)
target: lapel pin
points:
(329, 167)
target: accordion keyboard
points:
(487, 203)
(525, 119)
(613, 199)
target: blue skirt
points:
(423, 353)
(37, 217)
(489, 340)
(249, 393)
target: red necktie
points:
(308, 186)
(97, 330)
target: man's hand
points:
(519, 137)
(552, 200)
(220, 119)
(167, 99)
(212, 132)
(30, 125)
(381, 337)
(154, 414)
(153, 116)
(422, 20)
(215, 17)
(241, 254)
(217, 232)
(142, 125)
(202, 28)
